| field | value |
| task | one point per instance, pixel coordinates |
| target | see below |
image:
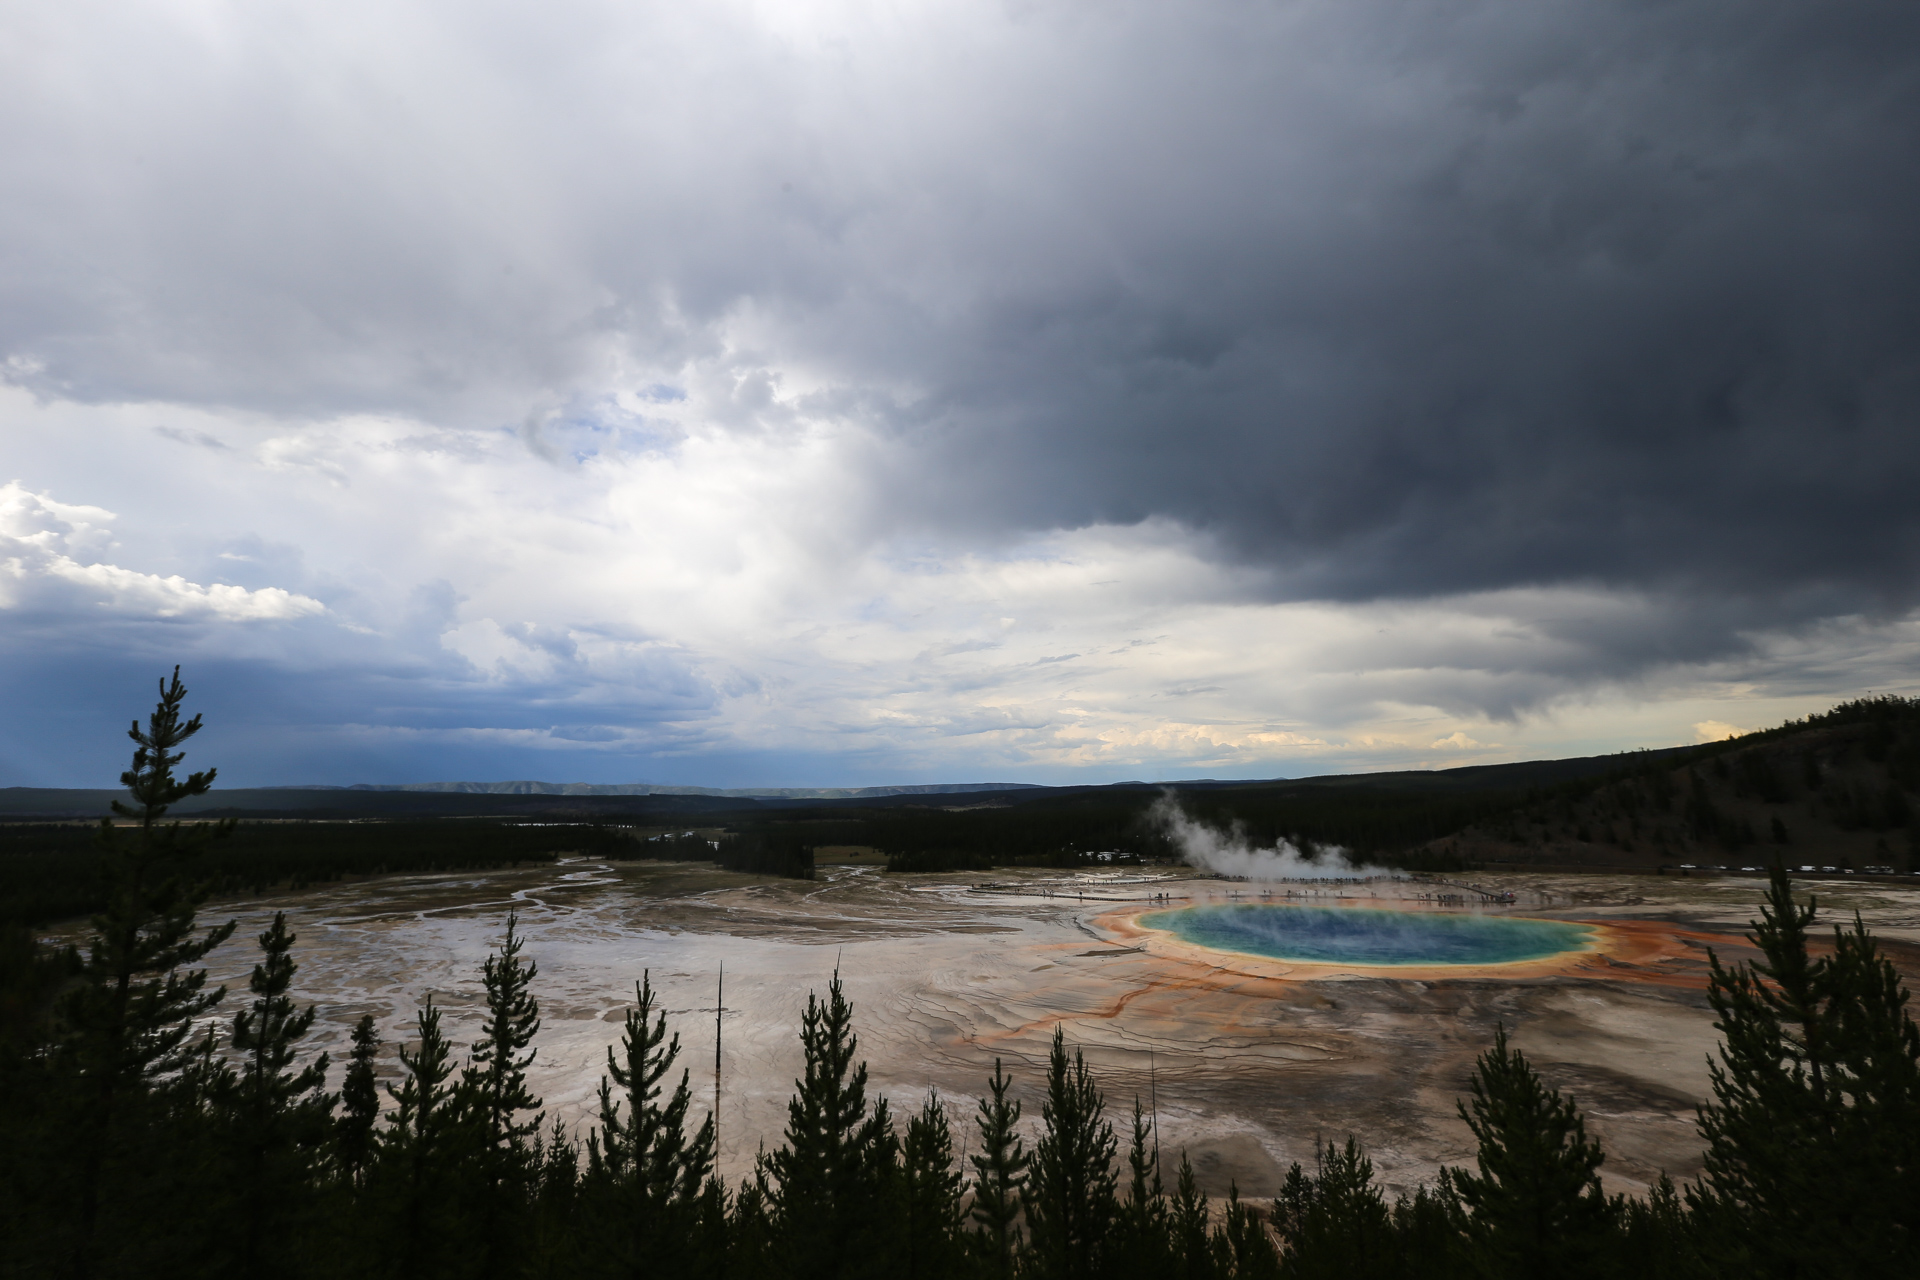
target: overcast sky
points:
(844, 393)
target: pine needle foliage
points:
(1813, 1134)
(134, 1006)
(1192, 1247)
(1070, 1200)
(1142, 1247)
(496, 1076)
(837, 1161)
(646, 1174)
(128, 1018)
(267, 1035)
(930, 1185)
(999, 1178)
(1335, 1221)
(1241, 1246)
(280, 1113)
(1535, 1206)
(495, 1094)
(353, 1134)
(424, 1153)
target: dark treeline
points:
(1886, 727)
(1641, 807)
(52, 871)
(55, 871)
(1068, 831)
(142, 1135)
(1057, 831)
(770, 850)
(1885, 714)
(1661, 804)
(926, 837)
(1811, 786)
(1398, 819)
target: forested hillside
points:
(1839, 790)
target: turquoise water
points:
(1364, 935)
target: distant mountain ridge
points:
(651, 789)
(639, 800)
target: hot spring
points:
(1369, 936)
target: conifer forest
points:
(154, 1126)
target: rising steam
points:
(1229, 853)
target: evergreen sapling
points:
(1000, 1176)
(353, 1133)
(1812, 1164)
(648, 1173)
(1070, 1198)
(930, 1195)
(280, 1114)
(1535, 1205)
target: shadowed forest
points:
(148, 1133)
(1838, 791)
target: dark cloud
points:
(1384, 300)
(1392, 299)
(341, 716)
(1629, 297)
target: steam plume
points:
(1229, 853)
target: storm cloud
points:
(1442, 362)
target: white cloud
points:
(1455, 741)
(37, 534)
(728, 593)
(171, 597)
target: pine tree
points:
(1192, 1247)
(648, 1178)
(554, 1242)
(426, 1105)
(205, 1083)
(129, 1016)
(1430, 1230)
(837, 1162)
(750, 1238)
(1335, 1222)
(1242, 1248)
(495, 1093)
(930, 1195)
(496, 1077)
(425, 1153)
(713, 1234)
(1536, 1205)
(1070, 1199)
(353, 1132)
(280, 1115)
(1657, 1237)
(1812, 1165)
(1000, 1175)
(1142, 1234)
